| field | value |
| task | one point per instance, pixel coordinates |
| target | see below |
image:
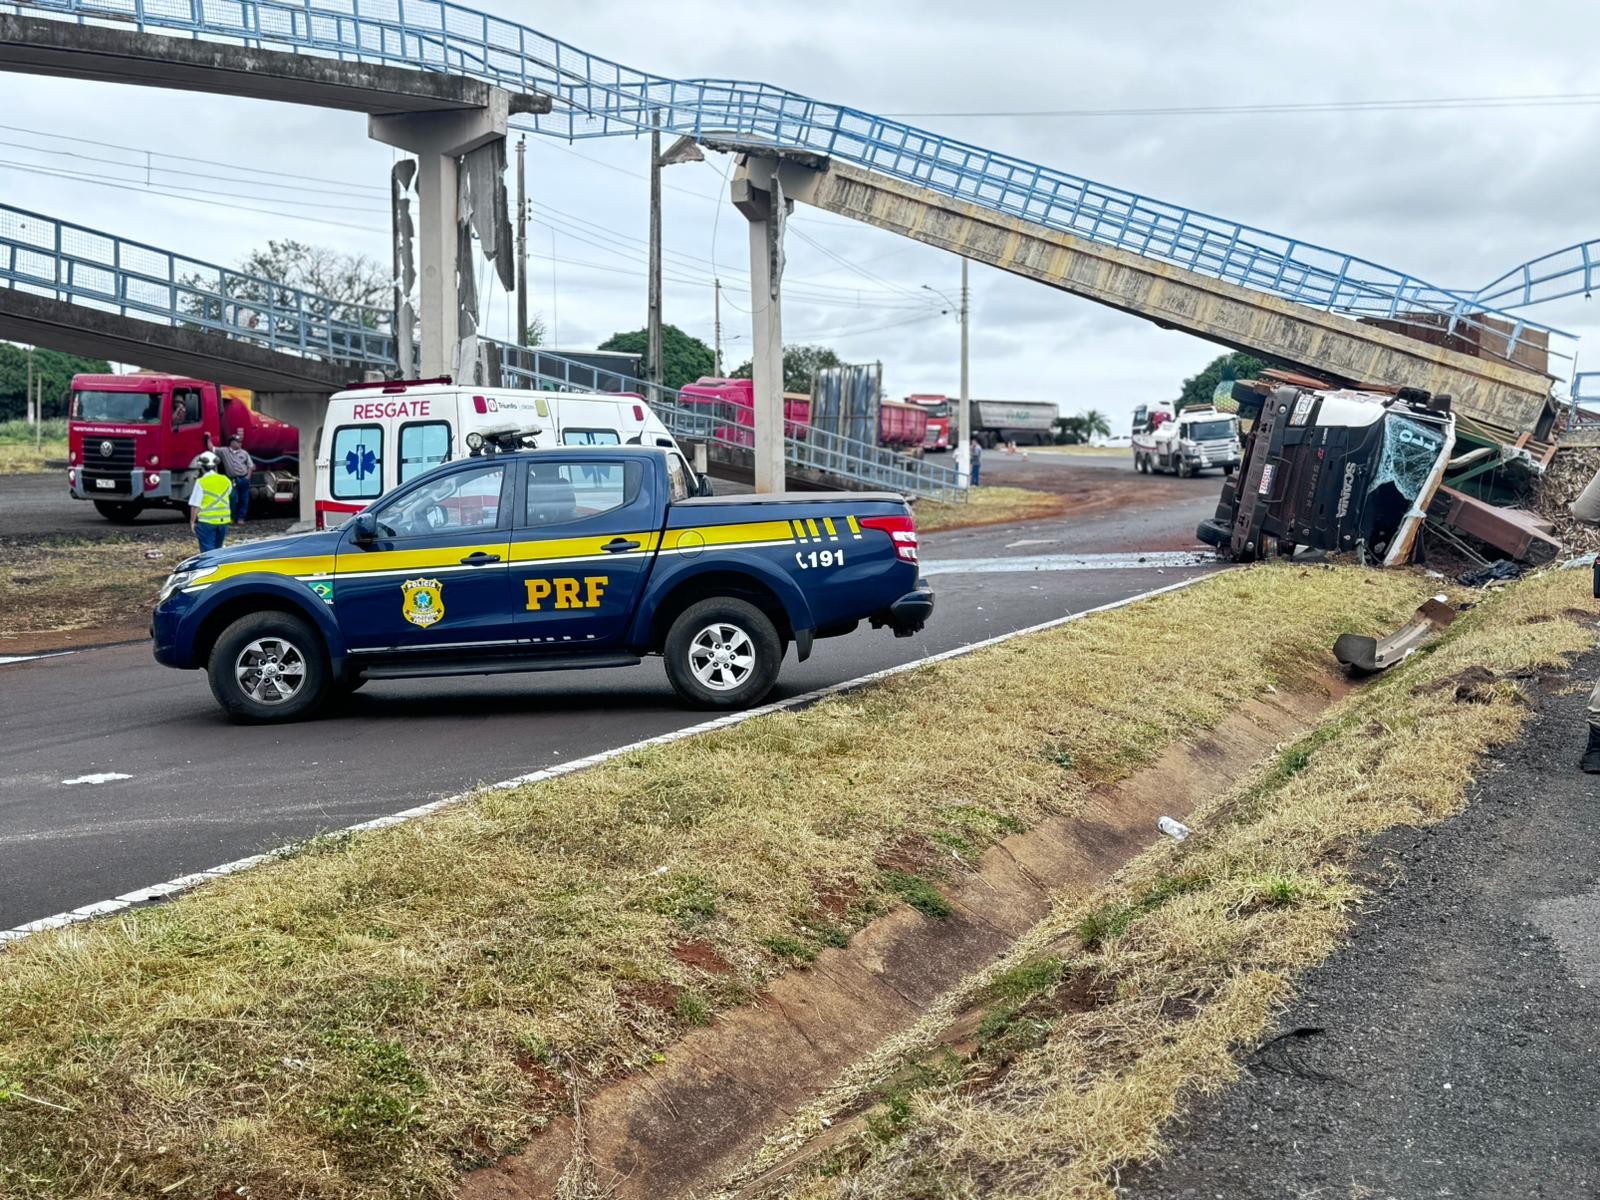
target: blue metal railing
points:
(42, 256)
(73, 263)
(1572, 271)
(719, 422)
(598, 97)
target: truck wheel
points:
(119, 512)
(723, 653)
(1185, 471)
(1227, 471)
(268, 667)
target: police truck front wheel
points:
(723, 653)
(268, 667)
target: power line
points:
(1529, 100)
(96, 181)
(210, 162)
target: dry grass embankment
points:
(989, 506)
(60, 585)
(20, 455)
(1113, 1012)
(378, 1012)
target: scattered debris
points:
(1174, 829)
(1523, 536)
(1501, 571)
(1362, 655)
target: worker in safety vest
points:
(210, 503)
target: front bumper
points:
(908, 614)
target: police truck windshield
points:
(1211, 431)
(125, 408)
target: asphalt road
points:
(201, 792)
(41, 504)
(1449, 1049)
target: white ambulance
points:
(377, 436)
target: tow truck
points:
(536, 560)
(1185, 443)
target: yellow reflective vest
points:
(217, 508)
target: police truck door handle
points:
(479, 559)
(618, 545)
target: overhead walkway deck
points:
(1501, 396)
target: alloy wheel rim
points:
(270, 670)
(722, 656)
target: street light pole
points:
(963, 442)
(521, 338)
(964, 451)
(653, 336)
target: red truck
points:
(132, 441)
(902, 427)
(938, 436)
(730, 404)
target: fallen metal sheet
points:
(1515, 533)
(1362, 655)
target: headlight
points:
(182, 579)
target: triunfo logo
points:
(567, 593)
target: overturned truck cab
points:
(1336, 470)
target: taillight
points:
(901, 530)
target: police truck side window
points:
(678, 478)
(462, 501)
(423, 446)
(562, 492)
(590, 437)
(356, 463)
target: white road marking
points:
(1123, 560)
(99, 777)
(1032, 542)
(7, 659)
(183, 883)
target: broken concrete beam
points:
(1517, 534)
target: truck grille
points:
(117, 466)
(1216, 449)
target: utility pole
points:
(717, 336)
(654, 340)
(964, 452)
(522, 241)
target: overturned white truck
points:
(1336, 470)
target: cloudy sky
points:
(1453, 194)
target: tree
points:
(53, 367)
(341, 277)
(1199, 389)
(1073, 431)
(536, 331)
(683, 358)
(800, 366)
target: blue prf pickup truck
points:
(536, 560)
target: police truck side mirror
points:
(703, 486)
(364, 529)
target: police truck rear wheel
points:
(268, 667)
(723, 653)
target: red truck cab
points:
(938, 436)
(133, 440)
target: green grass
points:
(355, 1020)
(1196, 946)
(19, 453)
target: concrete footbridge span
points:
(1331, 313)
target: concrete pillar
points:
(305, 411)
(766, 324)
(439, 139)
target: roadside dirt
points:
(690, 1122)
(1449, 1050)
